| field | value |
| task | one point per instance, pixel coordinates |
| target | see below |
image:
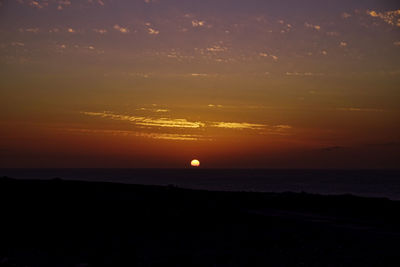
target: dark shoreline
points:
(74, 223)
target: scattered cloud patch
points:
(265, 54)
(303, 74)
(152, 31)
(31, 30)
(390, 17)
(17, 44)
(161, 136)
(198, 23)
(217, 48)
(238, 125)
(156, 110)
(332, 148)
(62, 4)
(386, 144)
(352, 109)
(346, 15)
(148, 121)
(312, 26)
(332, 33)
(121, 29)
(101, 31)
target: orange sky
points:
(263, 84)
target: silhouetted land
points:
(71, 223)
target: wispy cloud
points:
(238, 125)
(121, 29)
(198, 23)
(217, 48)
(17, 44)
(156, 110)
(37, 4)
(303, 74)
(332, 148)
(31, 30)
(147, 121)
(160, 136)
(312, 26)
(346, 15)
(353, 109)
(152, 31)
(151, 122)
(101, 31)
(390, 17)
(265, 54)
(62, 4)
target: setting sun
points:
(195, 163)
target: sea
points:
(369, 183)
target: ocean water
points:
(371, 183)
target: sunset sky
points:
(234, 83)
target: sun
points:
(195, 163)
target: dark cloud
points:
(387, 144)
(332, 148)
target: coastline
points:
(76, 223)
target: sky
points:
(233, 83)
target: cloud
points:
(199, 75)
(121, 29)
(147, 121)
(315, 27)
(386, 144)
(390, 17)
(324, 52)
(17, 44)
(282, 127)
(62, 4)
(346, 15)
(70, 30)
(101, 31)
(275, 58)
(152, 31)
(198, 23)
(332, 33)
(238, 125)
(151, 122)
(332, 148)
(217, 48)
(156, 110)
(303, 74)
(37, 4)
(31, 30)
(264, 54)
(342, 44)
(352, 109)
(397, 43)
(160, 136)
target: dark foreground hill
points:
(68, 223)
